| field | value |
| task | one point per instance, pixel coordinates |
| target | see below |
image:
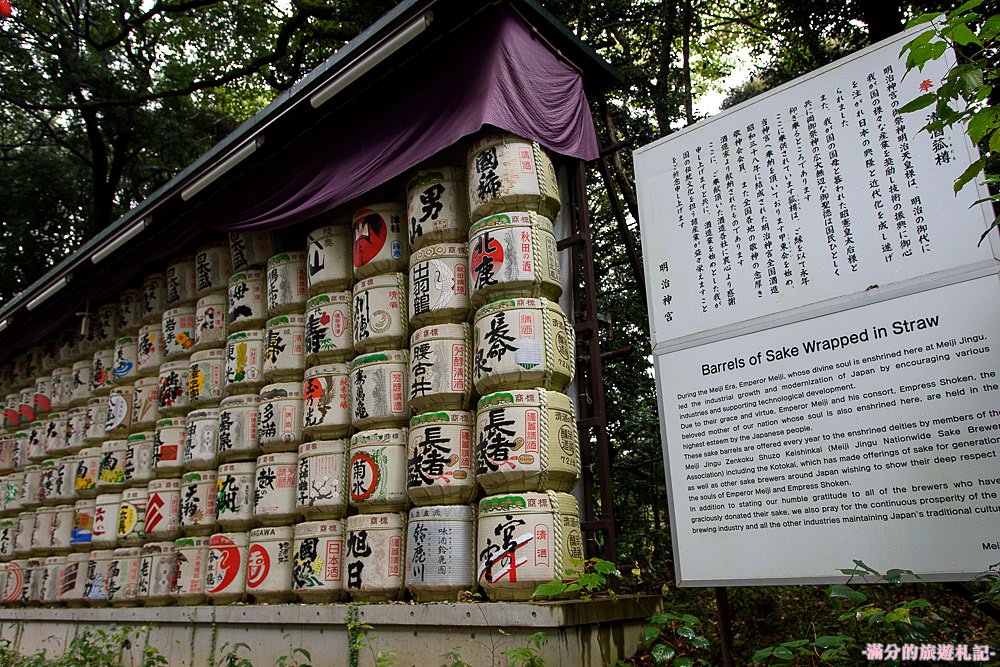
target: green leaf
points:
(847, 593)
(922, 38)
(686, 632)
(969, 174)
(995, 142)
(700, 642)
(549, 589)
(763, 654)
(650, 633)
(982, 123)
(684, 662)
(855, 573)
(659, 619)
(798, 643)
(829, 641)
(661, 653)
(605, 567)
(923, 18)
(962, 36)
(690, 620)
(964, 7)
(783, 653)
(915, 105)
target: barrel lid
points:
(272, 533)
(285, 320)
(171, 422)
(386, 356)
(525, 397)
(249, 274)
(442, 332)
(141, 436)
(281, 390)
(387, 521)
(206, 413)
(512, 219)
(191, 542)
(111, 445)
(394, 279)
(381, 436)
(202, 355)
(239, 400)
(330, 527)
(124, 340)
(326, 369)
(440, 251)
(286, 257)
(249, 334)
(457, 417)
(239, 467)
(321, 300)
(178, 311)
(199, 476)
(445, 512)
(323, 447)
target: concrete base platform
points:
(576, 633)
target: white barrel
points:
(284, 348)
(105, 531)
(139, 458)
(329, 336)
(42, 400)
(439, 467)
(87, 469)
(379, 389)
(437, 206)
(373, 561)
(21, 449)
(526, 440)
(522, 344)
(441, 368)
(210, 322)
(62, 529)
(377, 470)
(82, 533)
(111, 470)
(275, 489)
(150, 350)
(440, 561)
(10, 404)
(513, 255)
(69, 346)
(527, 539)
(62, 387)
(250, 249)
(269, 564)
(103, 372)
(378, 313)
(24, 532)
(154, 297)
(206, 378)
(65, 489)
(168, 446)
(192, 557)
(32, 484)
(286, 288)
(226, 567)
(50, 355)
(53, 572)
(178, 332)
(83, 380)
(55, 434)
(8, 537)
(238, 427)
(36, 441)
(13, 587)
(118, 419)
(244, 361)
(198, 492)
(146, 403)
(76, 428)
(201, 444)
(132, 516)
(125, 364)
(380, 243)
(41, 536)
(329, 265)
(73, 581)
(172, 394)
(212, 267)
(235, 497)
(322, 479)
(163, 509)
(180, 279)
(129, 311)
(157, 572)
(97, 419)
(245, 304)
(6, 452)
(279, 424)
(98, 577)
(506, 172)
(439, 285)
(107, 324)
(124, 577)
(327, 407)
(317, 562)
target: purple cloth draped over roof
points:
(493, 72)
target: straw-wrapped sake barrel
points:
(513, 254)
(526, 539)
(506, 172)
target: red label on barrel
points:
(258, 566)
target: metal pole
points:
(725, 625)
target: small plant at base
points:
(666, 634)
(454, 658)
(526, 656)
(231, 655)
(358, 638)
(592, 578)
(992, 579)
(869, 612)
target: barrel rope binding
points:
(548, 360)
(557, 536)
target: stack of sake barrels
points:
(251, 424)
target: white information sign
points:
(869, 434)
(826, 334)
(814, 191)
